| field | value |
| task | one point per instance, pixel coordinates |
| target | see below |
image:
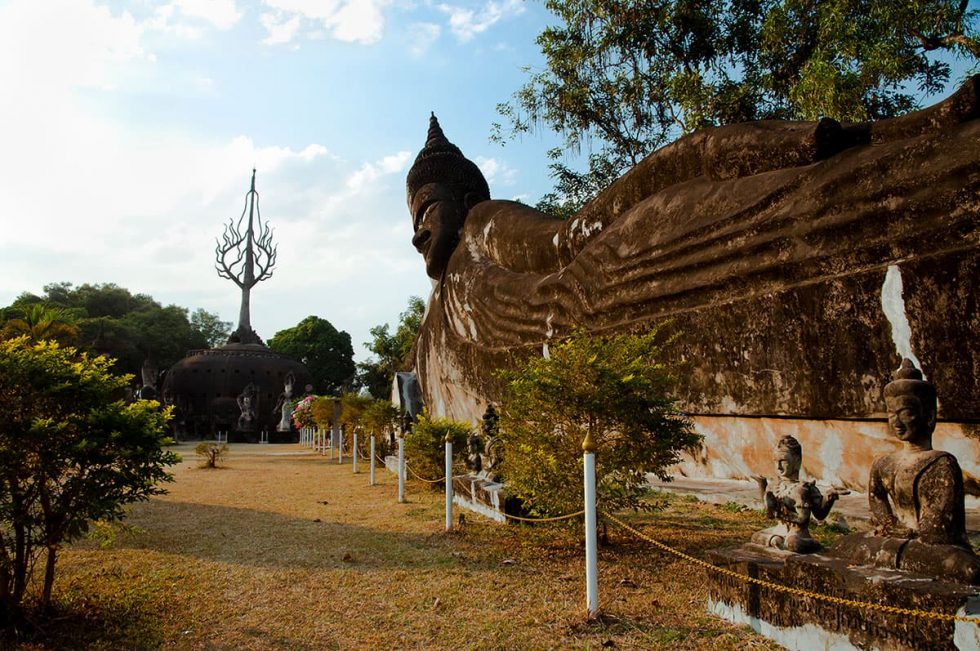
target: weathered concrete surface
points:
(791, 615)
(839, 452)
(771, 265)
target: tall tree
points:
(327, 353)
(390, 350)
(210, 326)
(113, 321)
(628, 76)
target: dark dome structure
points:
(205, 386)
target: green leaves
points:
(615, 388)
(627, 76)
(70, 452)
(326, 352)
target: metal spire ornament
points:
(246, 259)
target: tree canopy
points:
(111, 320)
(70, 452)
(628, 76)
(390, 350)
(327, 353)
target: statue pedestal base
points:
(480, 495)
(799, 622)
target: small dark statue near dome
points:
(915, 494)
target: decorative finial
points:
(907, 371)
(589, 444)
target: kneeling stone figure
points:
(793, 503)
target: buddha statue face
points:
(442, 186)
(911, 403)
(909, 421)
(438, 216)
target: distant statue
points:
(474, 452)
(148, 373)
(793, 503)
(247, 402)
(915, 494)
(491, 445)
(283, 405)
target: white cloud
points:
(280, 29)
(496, 172)
(94, 199)
(359, 21)
(353, 21)
(223, 14)
(422, 35)
(466, 23)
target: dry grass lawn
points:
(283, 549)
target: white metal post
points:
(372, 459)
(591, 553)
(401, 469)
(449, 484)
(354, 452)
(340, 447)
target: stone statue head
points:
(911, 403)
(789, 458)
(442, 186)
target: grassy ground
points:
(282, 549)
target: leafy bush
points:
(613, 388)
(380, 418)
(322, 412)
(212, 453)
(71, 452)
(303, 412)
(425, 449)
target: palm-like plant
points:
(42, 322)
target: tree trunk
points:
(48, 577)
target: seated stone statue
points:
(793, 502)
(915, 494)
(474, 450)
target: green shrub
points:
(614, 388)
(425, 445)
(212, 453)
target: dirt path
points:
(283, 549)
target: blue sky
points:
(128, 131)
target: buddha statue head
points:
(911, 403)
(442, 186)
(789, 458)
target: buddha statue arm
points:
(939, 488)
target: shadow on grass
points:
(126, 620)
(257, 538)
